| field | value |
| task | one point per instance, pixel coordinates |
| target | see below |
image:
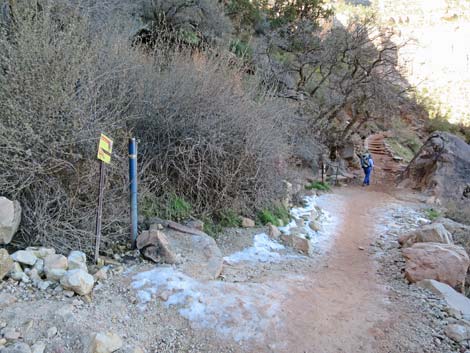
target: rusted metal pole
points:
(99, 212)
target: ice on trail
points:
(263, 250)
(242, 311)
(328, 207)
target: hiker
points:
(367, 164)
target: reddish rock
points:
(432, 233)
(300, 244)
(273, 231)
(247, 223)
(442, 262)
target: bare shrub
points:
(211, 136)
(206, 132)
(60, 86)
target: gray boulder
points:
(10, 218)
(442, 167)
(455, 301)
(24, 257)
(78, 280)
(197, 253)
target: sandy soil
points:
(349, 297)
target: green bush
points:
(170, 206)
(432, 214)
(318, 185)
(273, 214)
(229, 218)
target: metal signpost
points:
(105, 148)
(133, 189)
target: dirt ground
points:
(350, 296)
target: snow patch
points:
(324, 211)
(261, 251)
(242, 311)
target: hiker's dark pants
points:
(367, 172)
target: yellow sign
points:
(105, 147)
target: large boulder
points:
(442, 166)
(197, 253)
(10, 218)
(431, 233)
(6, 263)
(443, 262)
(78, 280)
(457, 302)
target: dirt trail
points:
(342, 307)
(386, 168)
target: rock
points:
(452, 226)
(10, 217)
(105, 342)
(34, 276)
(273, 231)
(2, 342)
(442, 166)
(43, 285)
(69, 293)
(136, 350)
(101, 274)
(201, 257)
(457, 332)
(51, 332)
(298, 243)
(247, 223)
(6, 263)
(455, 301)
(154, 245)
(77, 260)
(24, 257)
(18, 347)
(10, 334)
(38, 347)
(39, 266)
(442, 262)
(432, 233)
(196, 224)
(314, 226)
(55, 266)
(79, 281)
(41, 252)
(17, 273)
(6, 300)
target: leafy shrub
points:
(229, 218)
(273, 214)
(432, 214)
(318, 185)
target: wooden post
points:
(99, 211)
